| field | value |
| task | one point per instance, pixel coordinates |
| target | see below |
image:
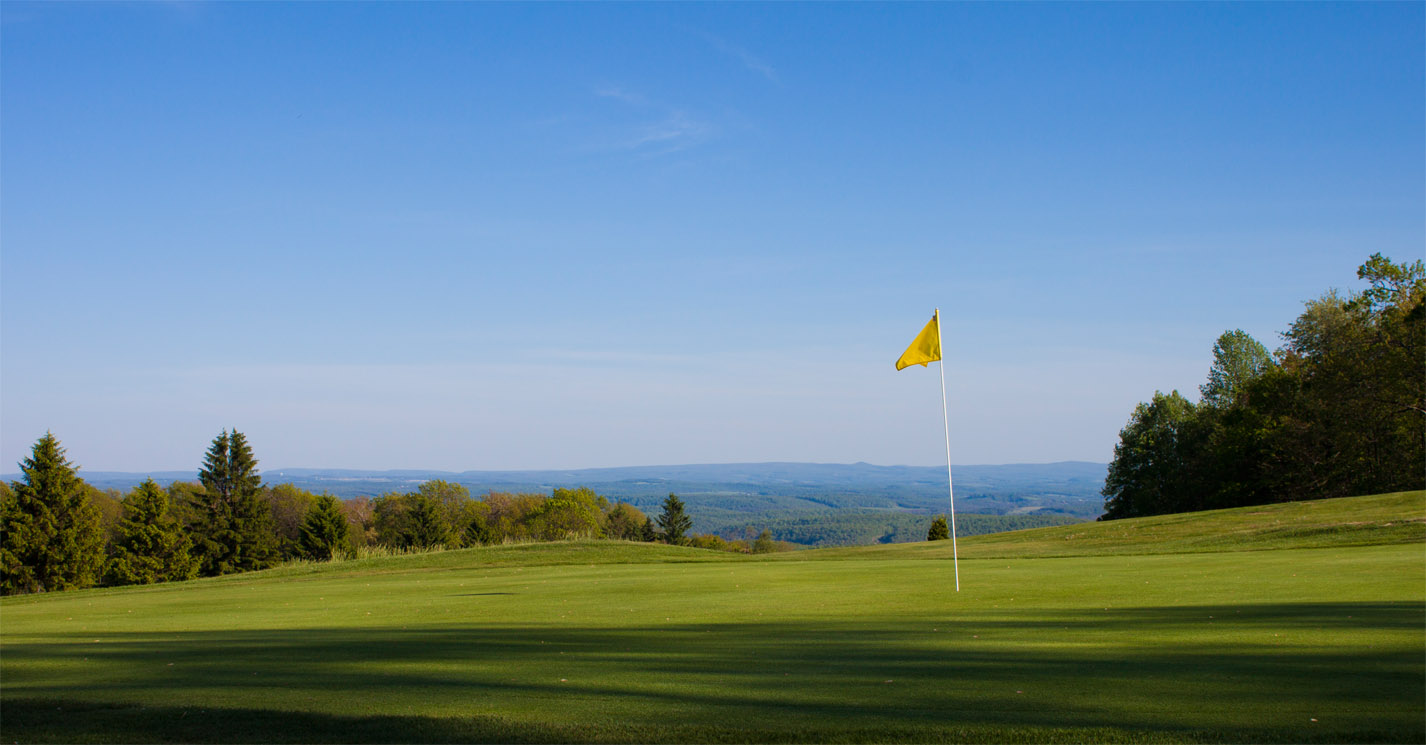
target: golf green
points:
(637, 643)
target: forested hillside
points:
(720, 492)
(1339, 409)
(57, 531)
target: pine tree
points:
(151, 545)
(324, 532)
(51, 535)
(648, 534)
(674, 522)
(234, 531)
(939, 531)
(425, 527)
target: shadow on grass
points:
(35, 721)
(1140, 674)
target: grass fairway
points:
(1317, 640)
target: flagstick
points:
(946, 417)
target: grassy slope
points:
(1194, 640)
(1356, 521)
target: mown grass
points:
(637, 643)
(1355, 521)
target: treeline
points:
(58, 532)
(1339, 410)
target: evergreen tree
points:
(674, 522)
(425, 525)
(939, 531)
(325, 530)
(51, 534)
(151, 546)
(648, 534)
(234, 531)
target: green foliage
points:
(289, 507)
(506, 515)
(234, 531)
(389, 517)
(109, 504)
(452, 506)
(50, 536)
(673, 521)
(1358, 422)
(567, 514)
(477, 526)
(1238, 359)
(712, 543)
(625, 522)
(413, 520)
(185, 502)
(1342, 412)
(436, 514)
(325, 531)
(648, 534)
(764, 543)
(939, 531)
(1146, 476)
(150, 545)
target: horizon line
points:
(279, 471)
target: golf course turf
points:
(1285, 623)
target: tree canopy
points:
(324, 532)
(673, 521)
(151, 545)
(1339, 410)
(51, 535)
(234, 531)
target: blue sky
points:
(468, 236)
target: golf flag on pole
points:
(926, 348)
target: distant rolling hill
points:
(855, 503)
(717, 493)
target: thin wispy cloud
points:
(654, 127)
(676, 131)
(749, 60)
(619, 94)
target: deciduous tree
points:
(289, 506)
(1149, 473)
(1238, 359)
(568, 513)
(625, 522)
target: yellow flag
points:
(926, 348)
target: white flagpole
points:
(946, 417)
